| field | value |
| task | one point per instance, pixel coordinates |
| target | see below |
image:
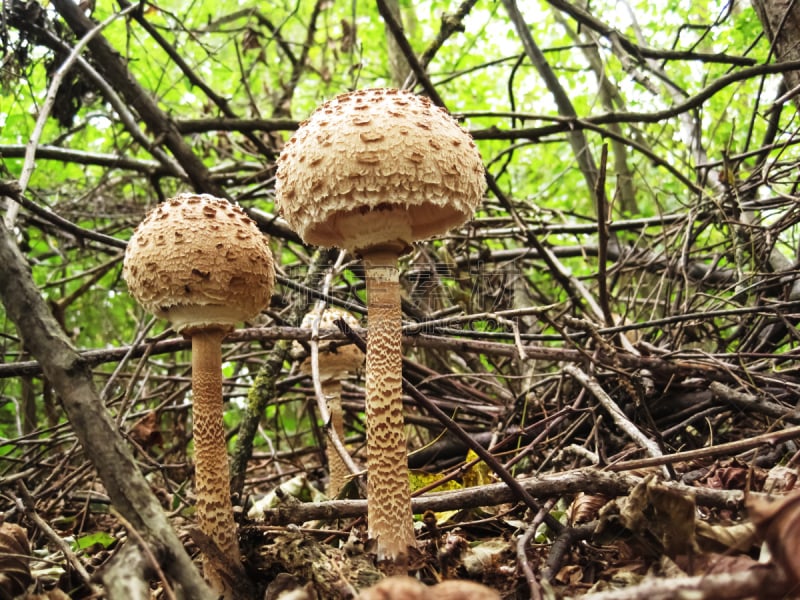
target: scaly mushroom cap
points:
(408, 588)
(199, 261)
(378, 167)
(339, 361)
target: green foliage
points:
(98, 538)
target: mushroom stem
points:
(212, 479)
(389, 516)
(337, 469)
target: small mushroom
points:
(407, 588)
(202, 264)
(335, 363)
(372, 171)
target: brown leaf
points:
(585, 507)
(780, 479)
(15, 574)
(734, 475)
(778, 523)
(570, 574)
(146, 431)
(720, 563)
(732, 478)
(675, 516)
(667, 514)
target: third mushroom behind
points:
(335, 363)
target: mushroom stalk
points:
(337, 469)
(389, 515)
(373, 171)
(212, 479)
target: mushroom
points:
(372, 171)
(202, 264)
(408, 588)
(335, 363)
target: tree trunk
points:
(781, 22)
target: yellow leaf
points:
(420, 479)
(477, 474)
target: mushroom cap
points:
(335, 362)
(408, 588)
(378, 167)
(199, 261)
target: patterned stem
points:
(338, 471)
(212, 477)
(388, 497)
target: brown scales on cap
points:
(373, 171)
(377, 166)
(406, 588)
(202, 264)
(196, 260)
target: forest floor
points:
(682, 507)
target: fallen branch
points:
(763, 581)
(765, 439)
(616, 413)
(589, 481)
(70, 376)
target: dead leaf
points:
(734, 537)
(632, 509)
(585, 508)
(146, 431)
(734, 475)
(484, 557)
(711, 564)
(570, 575)
(780, 479)
(15, 572)
(778, 523)
(663, 512)
(674, 519)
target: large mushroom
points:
(202, 264)
(372, 171)
(334, 364)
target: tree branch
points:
(70, 375)
(121, 79)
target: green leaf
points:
(106, 540)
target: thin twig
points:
(727, 449)
(26, 504)
(759, 581)
(319, 394)
(522, 553)
(44, 112)
(168, 591)
(616, 413)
